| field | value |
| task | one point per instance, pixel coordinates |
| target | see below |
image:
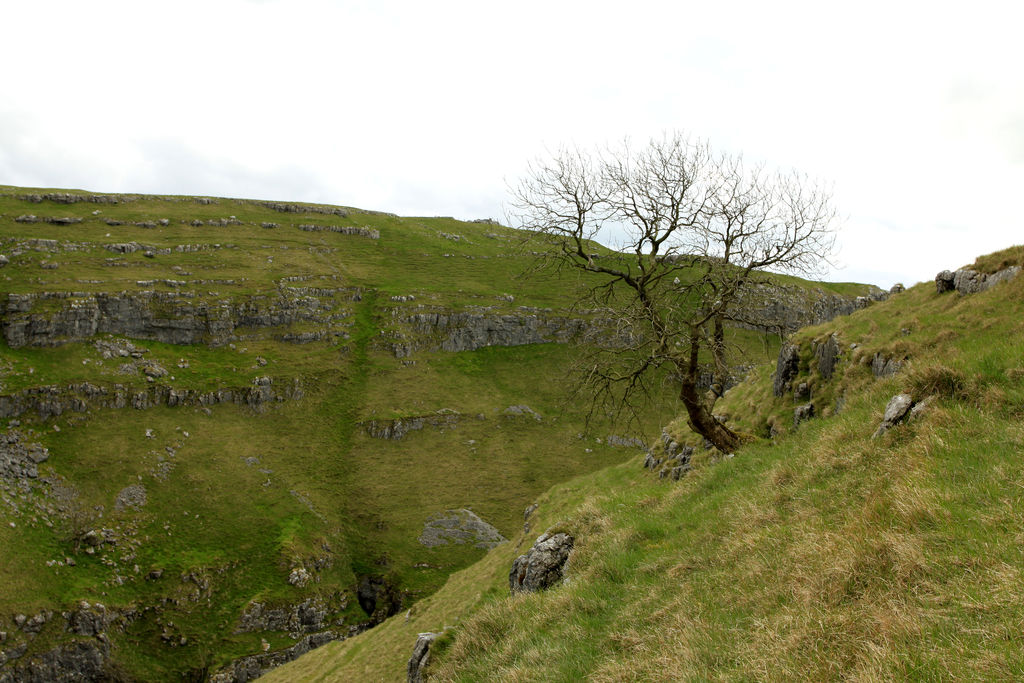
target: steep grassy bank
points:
(819, 554)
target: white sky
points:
(914, 111)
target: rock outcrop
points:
(18, 459)
(371, 233)
(785, 309)
(252, 667)
(420, 657)
(83, 660)
(303, 208)
(674, 460)
(896, 411)
(54, 318)
(827, 353)
(786, 368)
(625, 441)
(453, 332)
(459, 527)
(774, 308)
(543, 565)
(803, 414)
(53, 401)
(305, 617)
(398, 427)
(969, 281)
(885, 366)
(378, 597)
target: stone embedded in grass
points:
(154, 370)
(920, 407)
(675, 473)
(803, 414)
(131, 496)
(897, 409)
(786, 368)
(543, 565)
(625, 441)
(802, 391)
(459, 527)
(827, 354)
(885, 367)
(299, 577)
(521, 411)
(650, 461)
(420, 657)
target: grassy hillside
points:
(236, 498)
(206, 512)
(819, 554)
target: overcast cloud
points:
(914, 111)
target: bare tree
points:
(698, 231)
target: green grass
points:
(823, 554)
(267, 491)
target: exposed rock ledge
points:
(781, 309)
(52, 401)
(76, 661)
(54, 318)
(453, 332)
(252, 667)
(785, 309)
(397, 428)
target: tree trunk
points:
(701, 419)
(703, 422)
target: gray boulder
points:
(420, 657)
(944, 282)
(542, 566)
(968, 281)
(896, 411)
